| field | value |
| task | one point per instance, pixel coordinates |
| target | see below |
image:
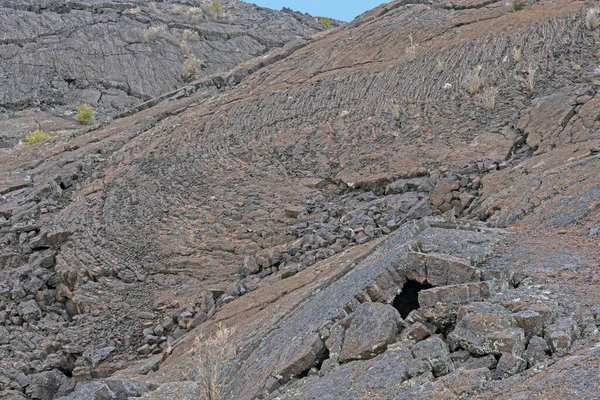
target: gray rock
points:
(29, 310)
(466, 383)
(372, 327)
(436, 353)
(50, 385)
(95, 356)
(509, 365)
(537, 350)
(485, 328)
(91, 391)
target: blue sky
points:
(344, 10)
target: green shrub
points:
(36, 136)
(326, 22)
(216, 8)
(84, 114)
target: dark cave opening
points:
(408, 299)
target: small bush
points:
(179, 9)
(516, 5)
(211, 354)
(192, 67)
(488, 97)
(36, 136)
(185, 50)
(190, 36)
(193, 14)
(472, 81)
(216, 8)
(153, 32)
(327, 23)
(592, 21)
(84, 114)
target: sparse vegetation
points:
(36, 136)
(412, 49)
(193, 14)
(190, 36)
(488, 97)
(516, 54)
(516, 5)
(440, 66)
(211, 354)
(185, 50)
(192, 67)
(153, 32)
(216, 8)
(472, 81)
(531, 71)
(179, 9)
(592, 21)
(84, 114)
(327, 23)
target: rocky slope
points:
(369, 227)
(57, 55)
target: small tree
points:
(216, 8)
(211, 354)
(84, 114)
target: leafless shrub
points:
(185, 50)
(211, 354)
(591, 18)
(472, 81)
(153, 32)
(193, 14)
(516, 5)
(440, 66)
(531, 71)
(179, 9)
(192, 67)
(190, 36)
(412, 49)
(517, 54)
(488, 97)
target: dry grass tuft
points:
(211, 355)
(531, 71)
(488, 97)
(440, 66)
(516, 54)
(472, 81)
(592, 21)
(412, 49)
